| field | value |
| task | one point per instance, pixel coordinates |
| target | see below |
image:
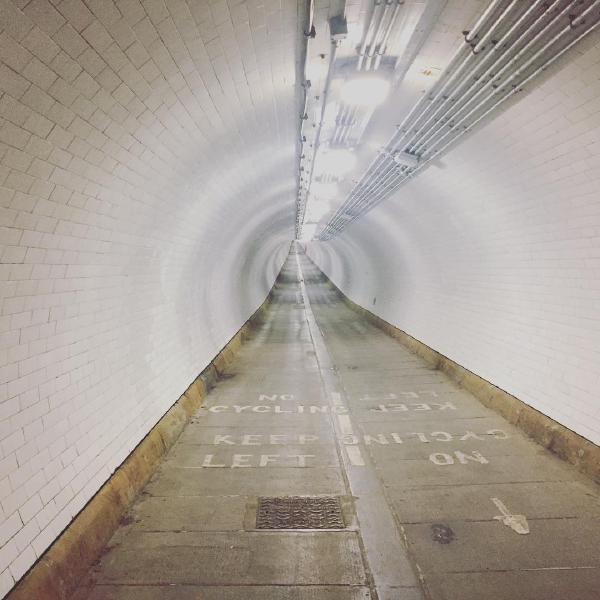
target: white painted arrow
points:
(517, 523)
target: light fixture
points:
(317, 210)
(337, 162)
(324, 191)
(365, 91)
(308, 232)
(316, 70)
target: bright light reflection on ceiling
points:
(336, 162)
(324, 191)
(316, 211)
(308, 231)
(365, 91)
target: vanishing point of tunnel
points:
(299, 299)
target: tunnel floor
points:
(438, 496)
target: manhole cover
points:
(299, 512)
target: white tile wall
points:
(147, 176)
(493, 257)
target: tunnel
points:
(299, 299)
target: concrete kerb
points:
(550, 434)
(57, 573)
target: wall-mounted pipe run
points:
(304, 25)
(310, 146)
(472, 33)
(509, 46)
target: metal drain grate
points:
(299, 512)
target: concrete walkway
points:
(440, 497)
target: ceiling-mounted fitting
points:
(406, 159)
(338, 27)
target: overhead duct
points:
(511, 44)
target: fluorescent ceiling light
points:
(317, 210)
(337, 162)
(365, 91)
(308, 232)
(324, 191)
(316, 69)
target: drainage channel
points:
(385, 556)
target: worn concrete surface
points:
(321, 402)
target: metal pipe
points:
(420, 107)
(344, 122)
(383, 187)
(347, 127)
(436, 127)
(359, 194)
(486, 36)
(367, 34)
(354, 195)
(318, 134)
(369, 190)
(301, 72)
(517, 89)
(460, 50)
(383, 176)
(383, 44)
(506, 97)
(486, 13)
(472, 76)
(376, 32)
(339, 120)
(469, 58)
(372, 48)
(376, 198)
(390, 175)
(517, 72)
